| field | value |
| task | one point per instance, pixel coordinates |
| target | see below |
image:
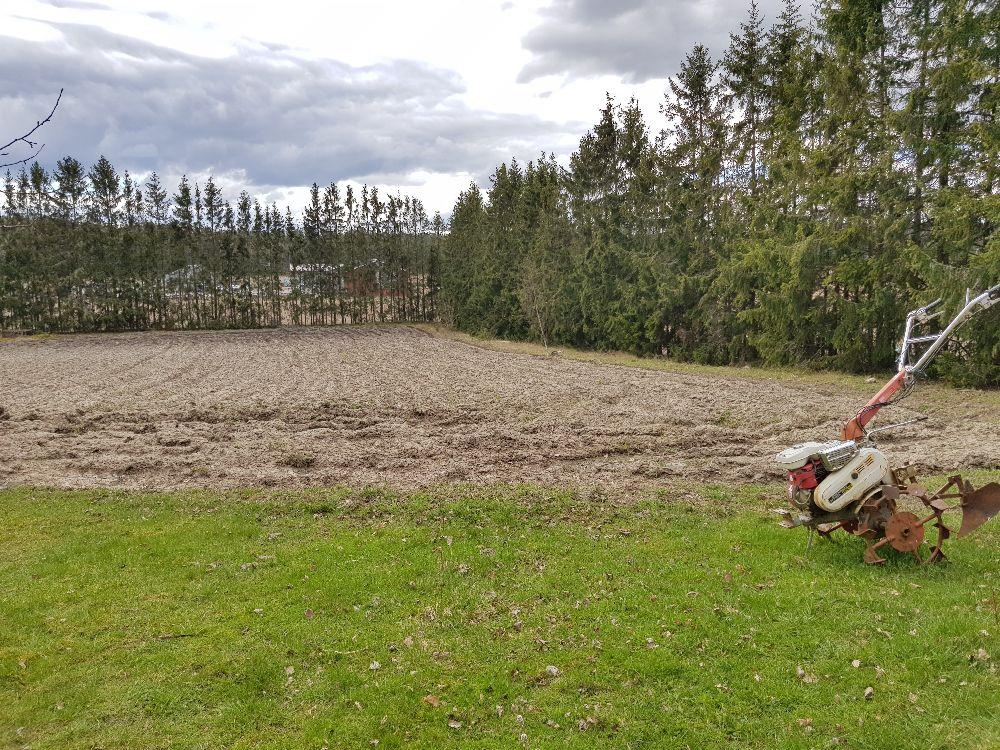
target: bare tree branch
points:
(25, 160)
(26, 139)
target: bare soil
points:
(398, 407)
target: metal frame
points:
(923, 315)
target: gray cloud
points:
(283, 119)
(635, 39)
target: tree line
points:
(813, 183)
(91, 250)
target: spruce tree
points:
(744, 75)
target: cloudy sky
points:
(424, 97)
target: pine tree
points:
(156, 199)
(695, 217)
(862, 247)
(213, 205)
(791, 97)
(106, 194)
(182, 205)
(744, 75)
(465, 246)
(70, 189)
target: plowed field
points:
(399, 407)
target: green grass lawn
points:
(510, 617)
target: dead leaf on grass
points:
(808, 679)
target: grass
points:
(498, 617)
(624, 359)
(5, 339)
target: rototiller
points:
(847, 484)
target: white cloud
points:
(426, 96)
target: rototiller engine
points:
(848, 484)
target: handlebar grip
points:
(932, 305)
(994, 292)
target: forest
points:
(829, 170)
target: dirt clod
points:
(297, 460)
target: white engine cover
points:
(850, 483)
(796, 456)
